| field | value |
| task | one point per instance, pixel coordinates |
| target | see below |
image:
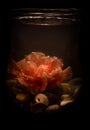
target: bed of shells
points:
(38, 83)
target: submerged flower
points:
(39, 72)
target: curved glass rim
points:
(46, 9)
(46, 16)
(22, 11)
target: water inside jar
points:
(55, 35)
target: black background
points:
(72, 116)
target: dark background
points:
(75, 114)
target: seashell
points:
(64, 102)
(53, 107)
(42, 98)
(65, 96)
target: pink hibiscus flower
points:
(39, 72)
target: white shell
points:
(42, 98)
(66, 99)
(53, 107)
(64, 102)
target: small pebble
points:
(53, 107)
(21, 97)
(64, 102)
(65, 96)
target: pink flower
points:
(39, 72)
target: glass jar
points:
(44, 68)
